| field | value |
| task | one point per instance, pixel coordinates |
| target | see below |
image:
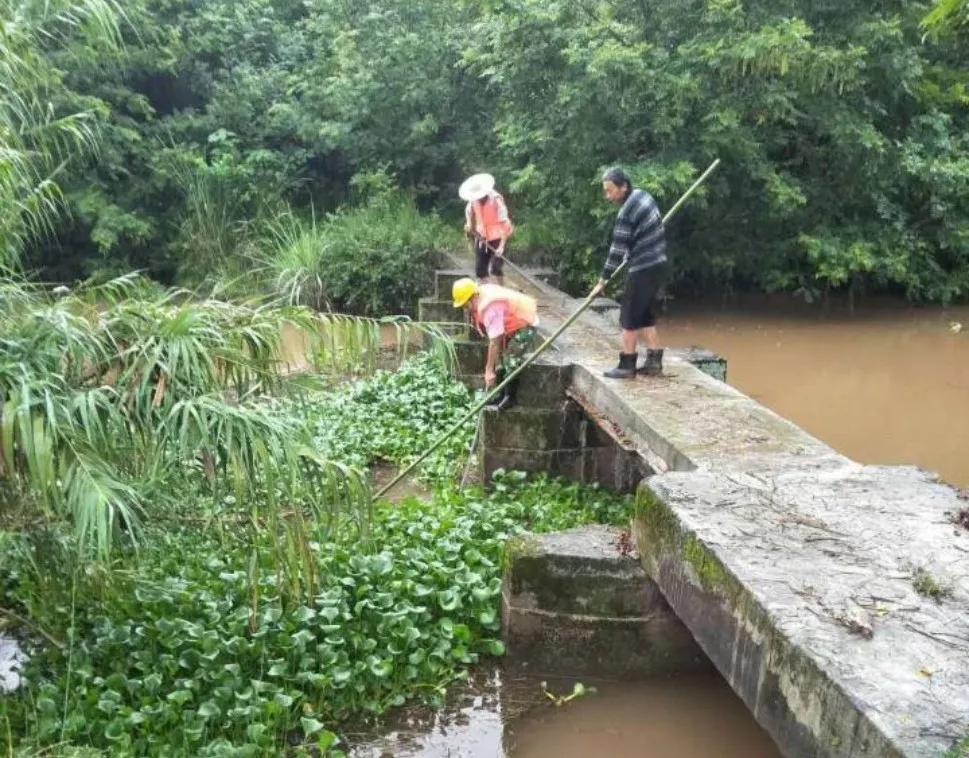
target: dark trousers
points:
(639, 298)
(485, 260)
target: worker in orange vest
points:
(486, 218)
(506, 317)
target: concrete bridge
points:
(832, 596)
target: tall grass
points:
(372, 259)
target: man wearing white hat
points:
(486, 217)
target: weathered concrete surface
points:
(615, 470)
(572, 604)
(802, 589)
(439, 311)
(559, 440)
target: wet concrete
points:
(804, 590)
(579, 602)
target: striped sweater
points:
(638, 235)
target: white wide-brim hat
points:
(476, 187)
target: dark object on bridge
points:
(962, 517)
(654, 363)
(626, 368)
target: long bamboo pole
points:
(540, 349)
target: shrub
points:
(372, 259)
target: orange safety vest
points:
(522, 310)
(490, 217)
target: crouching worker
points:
(506, 317)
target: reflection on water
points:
(887, 385)
(498, 714)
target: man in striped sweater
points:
(638, 235)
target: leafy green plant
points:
(405, 412)
(199, 643)
(947, 17)
(959, 750)
(113, 393)
(177, 656)
(578, 690)
(926, 584)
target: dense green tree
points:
(842, 159)
(948, 16)
(841, 126)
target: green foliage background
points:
(842, 127)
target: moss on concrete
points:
(522, 546)
(959, 750)
(708, 569)
(653, 513)
(655, 525)
(927, 585)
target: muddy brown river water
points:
(498, 714)
(889, 384)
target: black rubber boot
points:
(654, 363)
(495, 402)
(626, 368)
(508, 397)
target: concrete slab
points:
(445, 278)
(835, 602)
(439, 311)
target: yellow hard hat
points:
(462, 291)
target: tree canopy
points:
(842, 127)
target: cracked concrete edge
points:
(816, 685)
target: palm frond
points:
(35, 140)
(100, 504)
(118, 386)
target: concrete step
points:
(470, 355)
(573, 604)
(445, 278)
(439, 311)
(535, 429)
(543, 384)
(610, 467)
